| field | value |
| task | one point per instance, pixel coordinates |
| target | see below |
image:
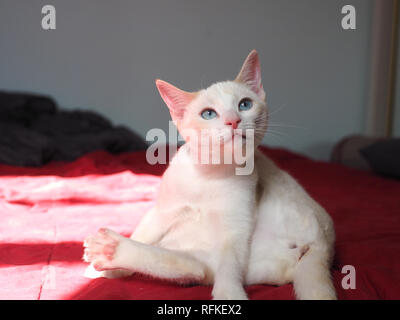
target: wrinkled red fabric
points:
(46, 212)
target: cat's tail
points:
(312, 277)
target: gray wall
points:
(105, 55)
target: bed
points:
(47, 211)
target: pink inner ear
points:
(176, 99)
(250, 74)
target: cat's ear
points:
(250, 74)
(176, 99)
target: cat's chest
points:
(203, 193)
(195, 209)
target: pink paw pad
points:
(109, 250)
(101, 248)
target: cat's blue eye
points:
(245, 104)
(208, 114)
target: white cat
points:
(212, 226)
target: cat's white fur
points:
(212, 226)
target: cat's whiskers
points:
(277, 109)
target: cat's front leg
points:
(228, 278)
(237, 224)
(232, 262)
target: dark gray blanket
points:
(33, 131)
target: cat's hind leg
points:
(108, 250)
(312, 276)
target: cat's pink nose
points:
(234, 122)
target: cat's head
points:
(221, 109)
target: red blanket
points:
(45, 213)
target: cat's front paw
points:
(91, 273)
(229, 292)
(101, 249)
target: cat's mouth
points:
(239, 135)
(235, 135)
